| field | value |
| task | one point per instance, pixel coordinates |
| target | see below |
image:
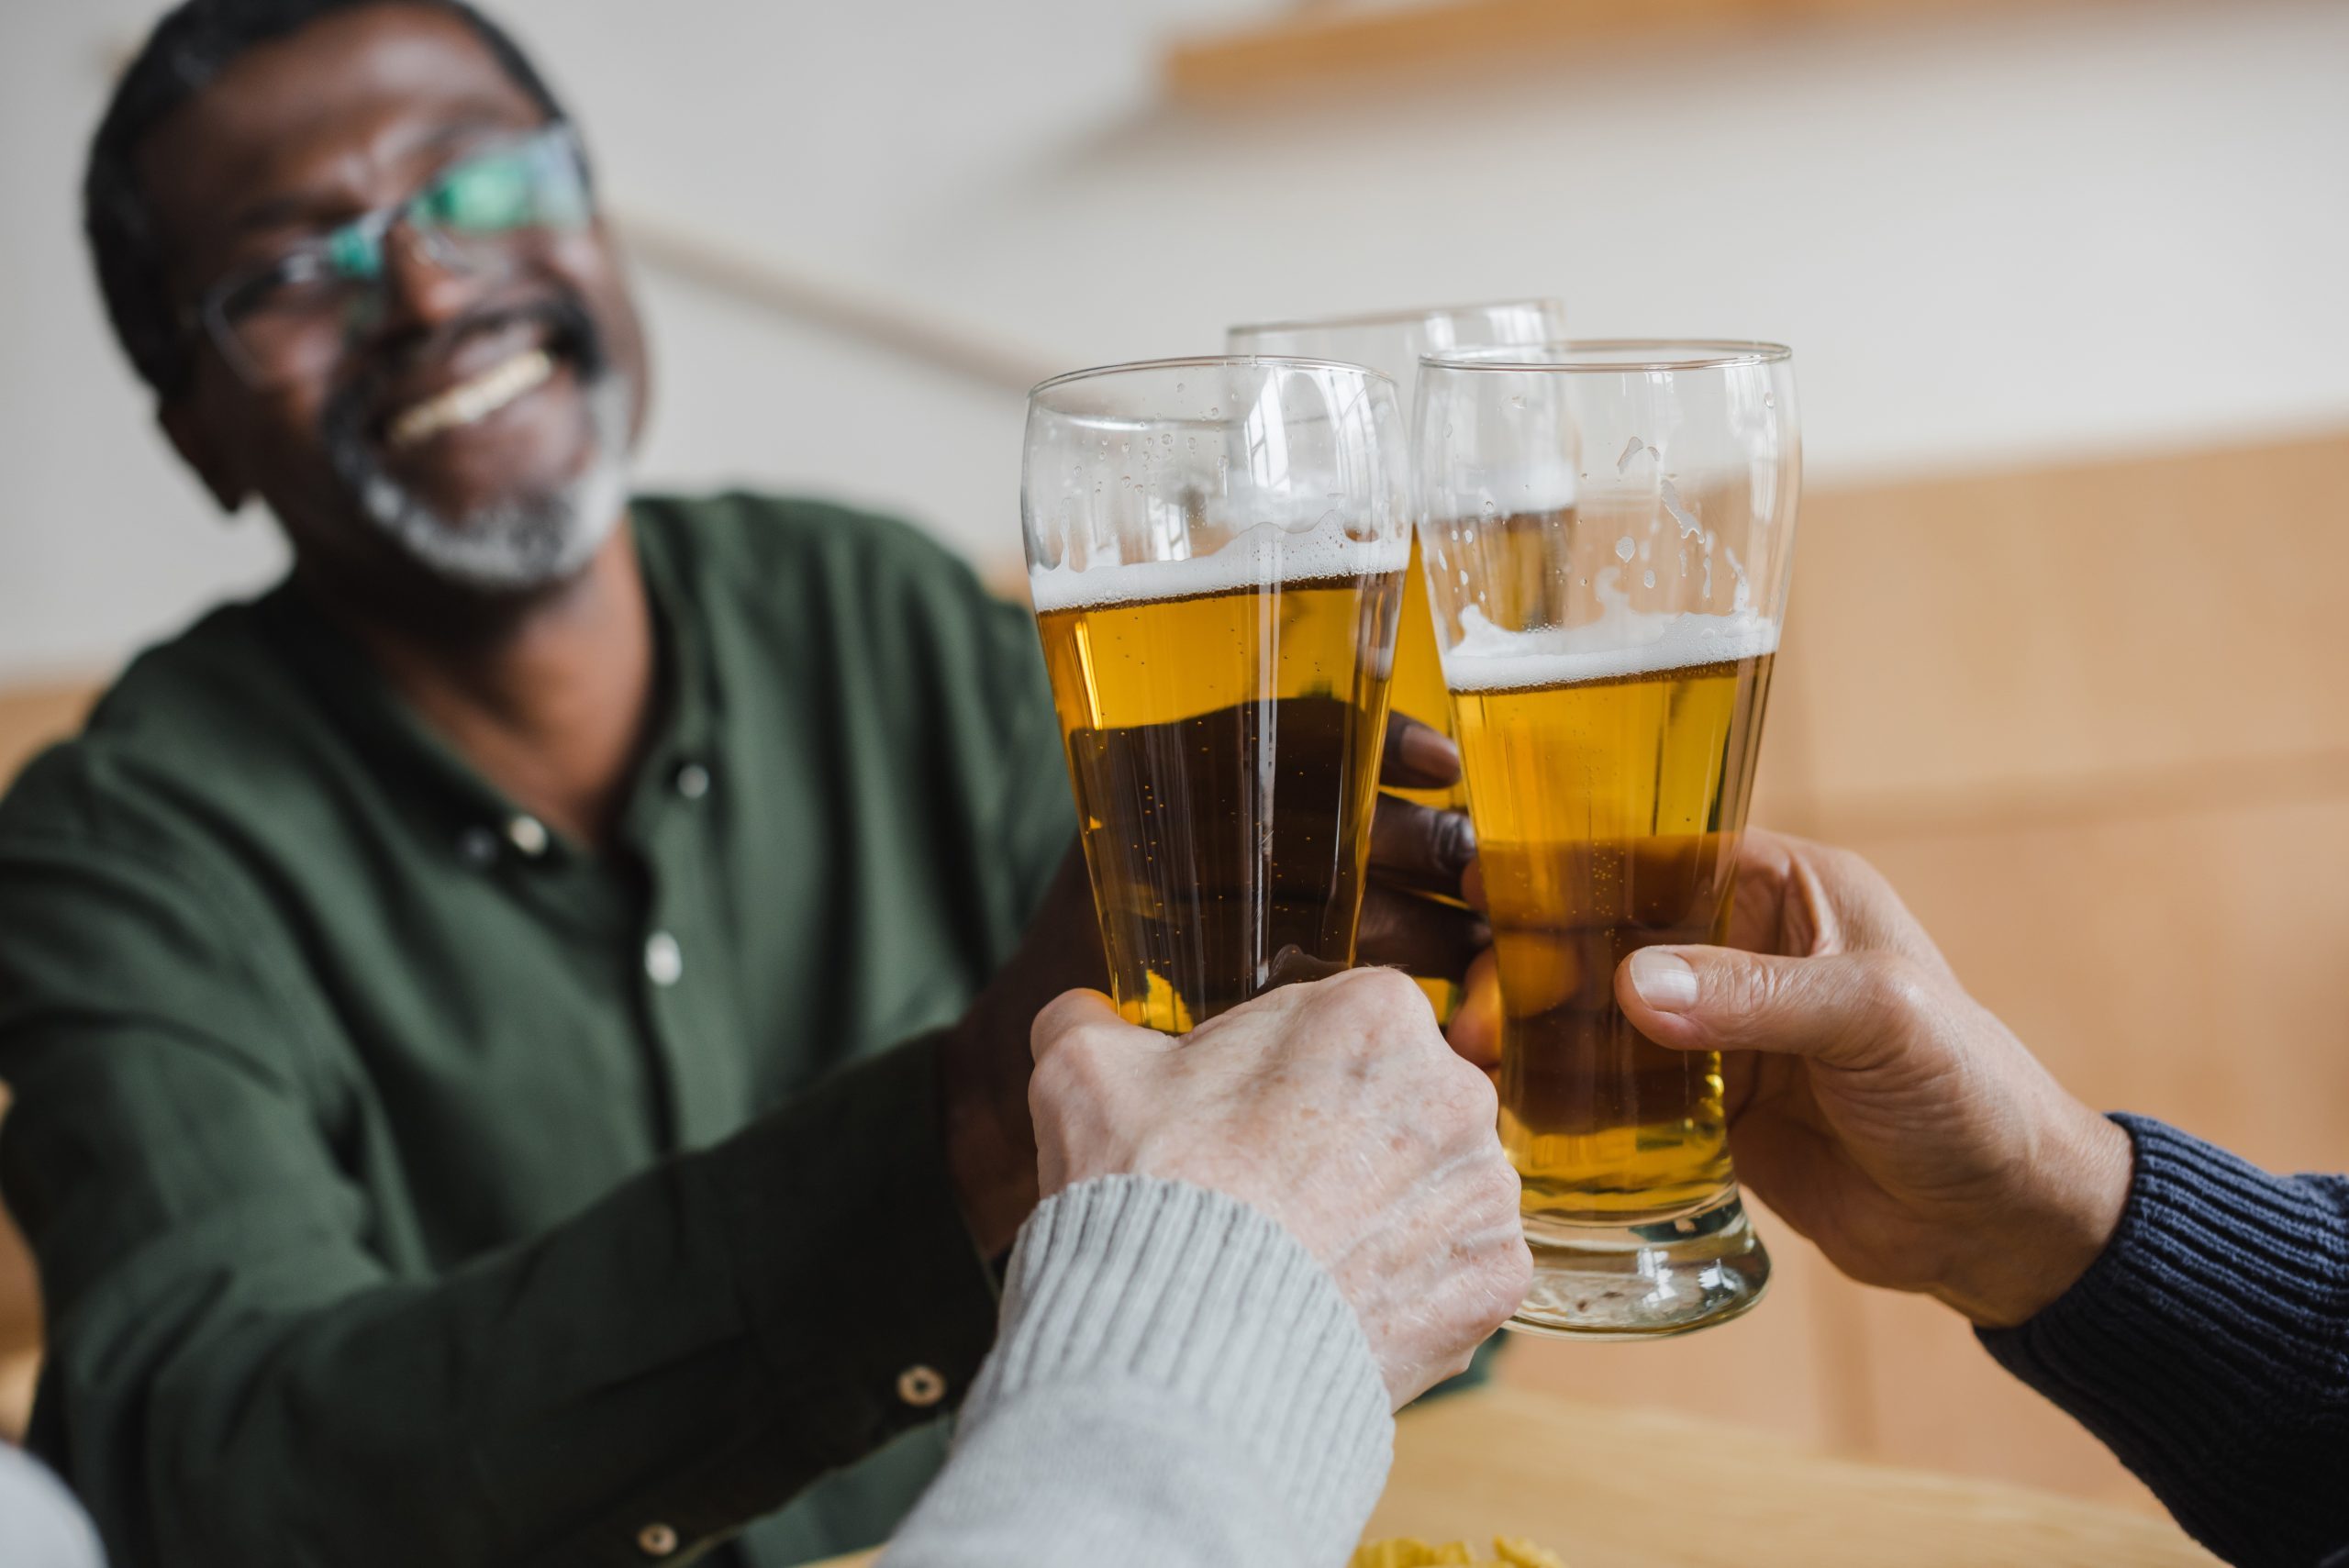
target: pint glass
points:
(1607, 531)
(1216, 551)
(1392, 341)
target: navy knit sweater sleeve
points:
(2209, 1348)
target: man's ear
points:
(196, 449)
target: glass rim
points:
(1605, 356)
(1201, 361)
(1386, 317)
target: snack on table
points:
(1508, 1552)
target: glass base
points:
(1672, 1277)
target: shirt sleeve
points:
(1177, 1384)
(237, 1374)
(2208, 1349)
(1037, 812)
(948, 673)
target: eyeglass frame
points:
(207, 315)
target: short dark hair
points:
(187, 51)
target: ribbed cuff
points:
(2209, 1347)
(1176, 1287)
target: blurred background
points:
(2066, 288)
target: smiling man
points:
(520, 1033)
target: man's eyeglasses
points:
(290, 317)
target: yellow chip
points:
(1403, 1551)
(1400, 1552)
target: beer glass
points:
(1608, 529)
(1216, 550)
(1392, 341)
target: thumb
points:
(1840, 1009)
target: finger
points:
(1419, 936)
(1072, 1013)
(1820, 899)
(1418, 756)
(1375, 1004)
(1841, 1010)
(1419, 847)
(1476, 1032)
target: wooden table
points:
(1609, 1488)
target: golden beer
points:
(1607, 810)
(1224, 748)
(1418, 680)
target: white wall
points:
(1993, 238)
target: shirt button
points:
(693, 781)
(477, 847)
(528, 835)
(664, 960)
(920, 1386)
(656, 1541)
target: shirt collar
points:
(426, 777)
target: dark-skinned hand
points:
(1875, 1106)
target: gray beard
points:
(517, 545)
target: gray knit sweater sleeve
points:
(1176, 1384)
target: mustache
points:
(568, 327)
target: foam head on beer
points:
(1622, 642)
(1300, 546)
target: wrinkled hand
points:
(1878, 1107)
(1335, 1107)
(984, 1059)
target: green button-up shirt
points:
(411, 1186)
